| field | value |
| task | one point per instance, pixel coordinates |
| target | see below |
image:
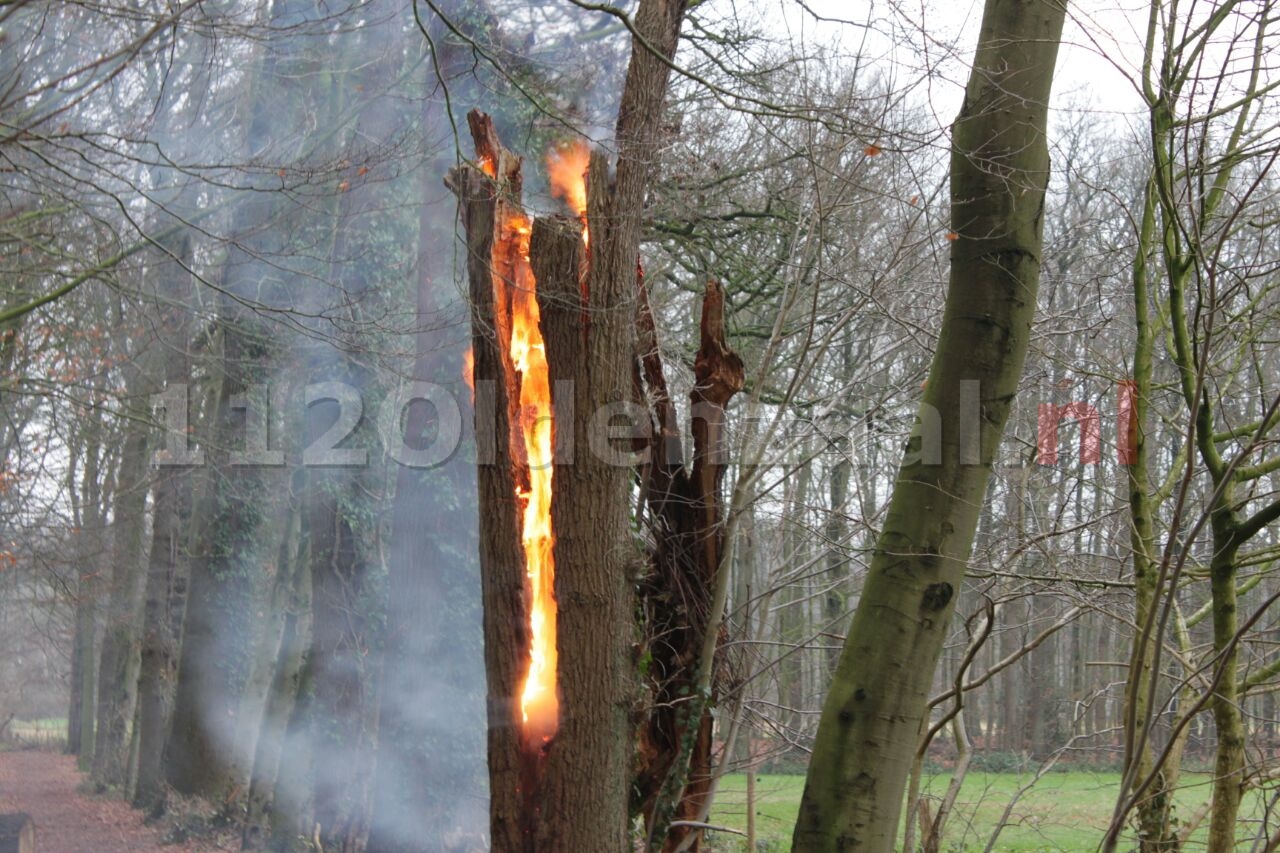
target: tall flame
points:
(469, 371)
(566, 170)
(539, 703)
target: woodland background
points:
(215, 217)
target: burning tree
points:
(562, 346)
(562, 646)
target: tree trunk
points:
(229, 563)
(999, 170)
(340, 710)
(83, 666)
(291, 599)
(81, 653)
(85, 514)
(485, 214)
(199, 755)
(1229, 764)
(582, 808)
(674, 774)
(836, 601)
(794, 629)
(562, 784)
(291, 799)
(1156, 831)
(166, 581)
(117, 668)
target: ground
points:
(45, 786)
(1065, 812)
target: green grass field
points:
(50, 732)
(1065, 811)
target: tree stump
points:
(17, 833)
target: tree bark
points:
(118, 665)
(291, 600)
(999, 170)
(674, 777)
(485, 207)
(166, 581)
(570, 791)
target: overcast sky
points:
(1100, 56)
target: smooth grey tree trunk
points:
(999, 171)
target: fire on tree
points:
(564, 579)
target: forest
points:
(662, 425)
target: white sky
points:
(1097, 64)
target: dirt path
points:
(43, 784)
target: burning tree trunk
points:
(554, 363)
(556, 654)
(490, 210)
(587, 350)
(559, 696)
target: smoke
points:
(287, 158)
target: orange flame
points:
(469, 371)
(567, 172)
(539, 703)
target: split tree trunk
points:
(674, 777)
(568, 792)
(588, 364)
(571, 792)
(486, 210)
(999, 170)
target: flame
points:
(539, 703)
(567, 172)
(469, 371)
(487, 166)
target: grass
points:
(1066, 811)
(46, 732)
